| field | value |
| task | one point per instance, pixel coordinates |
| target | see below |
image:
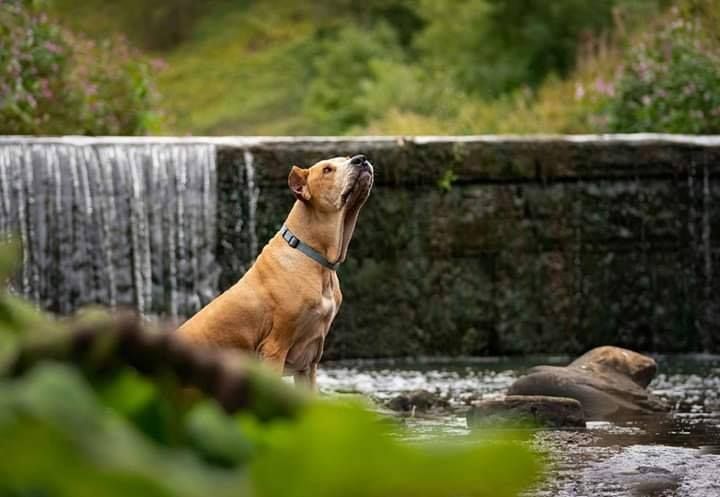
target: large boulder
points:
(609, 382)
(639, 368)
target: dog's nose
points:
(358, 160)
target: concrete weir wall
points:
(477, 245)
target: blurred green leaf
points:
(9, 258)
(86, 448)
(152, 407)
(219, 439)
(340, 449)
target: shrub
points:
(492, 47)
(671, 82)
(55, 82)
(342, 71)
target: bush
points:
(342, 70)
(55, 82)
(671, 82)
(492, 47)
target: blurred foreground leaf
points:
(338, 449)
(17, 317)
(64, 442)
(9, 257)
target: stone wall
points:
(488, 245)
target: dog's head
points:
(340, 185)
(334, 184)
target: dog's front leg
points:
(307, 377)
(274, 353)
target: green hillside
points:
(384, 67)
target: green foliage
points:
(342, 71)
(375, 464)
(397, 67)
(492, 46)
(671, 82)
(445, 183)
(244, 72)
(66, 442)
(388, 67)
(17, 317)
(75, 430)
(56, 82)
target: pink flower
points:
(158, 64)
(53, 47)
(45, 90)
(604, 88)
(579, 91)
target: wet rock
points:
(650, 480)
(418, 400)
(609, 382)
(710, 449)
(640, 368)
(555, 412)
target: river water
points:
(669, 455)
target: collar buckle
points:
(298, 244)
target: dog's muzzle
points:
(360, 161)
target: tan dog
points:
(283, 307)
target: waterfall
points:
(252, 199)
(131, 224)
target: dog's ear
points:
(297, 181)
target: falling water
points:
(129, 224)
(253, 192)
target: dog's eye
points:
(327, 170)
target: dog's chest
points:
(325, 306)
(313, 325)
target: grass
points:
(239, 74)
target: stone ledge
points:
(424, 160)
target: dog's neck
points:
(321, 231)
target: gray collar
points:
(306, 249)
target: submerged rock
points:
(419, 400)
(555, 412)
(609, 382)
